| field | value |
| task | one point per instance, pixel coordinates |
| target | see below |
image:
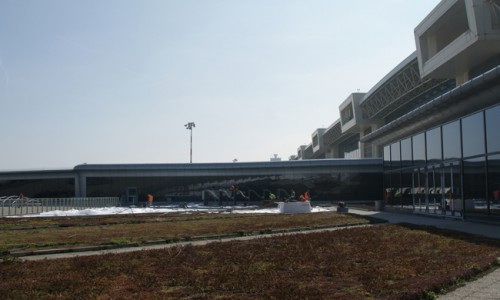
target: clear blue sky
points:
(115, 81)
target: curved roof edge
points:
(239, 165)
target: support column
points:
(334, 151)
(363, 147)
(362, 133)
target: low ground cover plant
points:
(76, 231)
(376, 262)
(96, 220)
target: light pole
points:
(189, 126)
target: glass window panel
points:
(433, 138)
(406, 152)
(493, 129)
(387, 186)
(494, 183)
(395, 155)
(387, 156)
(452, 186)
(451, 141)
(473, 135)
(419, 149)
(475, 185)
(406, 187)
(418, 189)
(395, 196)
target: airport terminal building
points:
(426, 137)
(224, 183)
(434, 118)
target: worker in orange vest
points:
(305, 197)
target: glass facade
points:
(434, 187)
(418, 149)
(473, 135)
(433, 139)
(448, 170)
(387, 157)
(39, 188)
(334, 186)
(452, 148)
(406, 153)
(494, 183)
(492, 129)
(395, 155)
(326, 180)
(474, 185)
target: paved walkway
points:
(487, 287)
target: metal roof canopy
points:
(476, 94)
(226, 169)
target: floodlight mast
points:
(189, 126)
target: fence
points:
(15, 205)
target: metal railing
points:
(16, 205)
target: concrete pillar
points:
(375, 150)
(335, 151)
(362, 145)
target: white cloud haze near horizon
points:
(115, 81)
